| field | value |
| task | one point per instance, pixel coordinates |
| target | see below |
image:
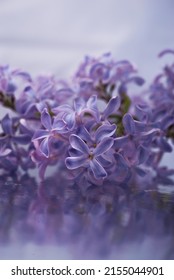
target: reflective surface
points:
(59, 220)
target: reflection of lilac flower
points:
(4, 151)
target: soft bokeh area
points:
(54, 35)
(48, 221)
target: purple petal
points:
(9, 164)
(142, 154)
(167, 51)
(70, 120)
(98, 171)
(25, 127)
(104, 131)
(167, 122)
(92, 103)
(44, 147)
(121, 162)
(99, 71)
(140, 126)
(103, 146)
(63, 108)
(41, 161)
(93, 113)
(119, 142)
(79, 104)
(164, 145)
(36, 156)
(138, 81)
(5, 152)
(84, 134)
(129, 124)
(42, 166)
(40, 106)
(78, 144)
(142, 111)
(75, 162)
(46, 119)
(141, 172)
(104, 161)
(31, 111)
(7, 125)
(58, 124)
(112, 106)
(65, 92)
(22, 74)
(40, 134)
(10, 88)
(149, 136)
(22, 139)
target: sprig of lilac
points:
(62, 124)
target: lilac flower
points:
(104, 69)
(10, 134)
(45, 136)
(72, 115)
(123, 86)
(91, 156)
(42, 162)
(62, 124)
(7, 86)
(42, 92)
(101, 76)
(132, 146)
(112, 107)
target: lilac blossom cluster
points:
(89, 128)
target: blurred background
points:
(43, 36)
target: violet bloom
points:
(104, 69)
(51, 131)
(162, 97)
(101, 76)
(41, 161)
(7, 85)
(42, 92)
(4, 151)
(10, 133)
(135, 145)
(8, 159)
(91, 156)
(74, 115)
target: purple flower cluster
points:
(89, 128)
